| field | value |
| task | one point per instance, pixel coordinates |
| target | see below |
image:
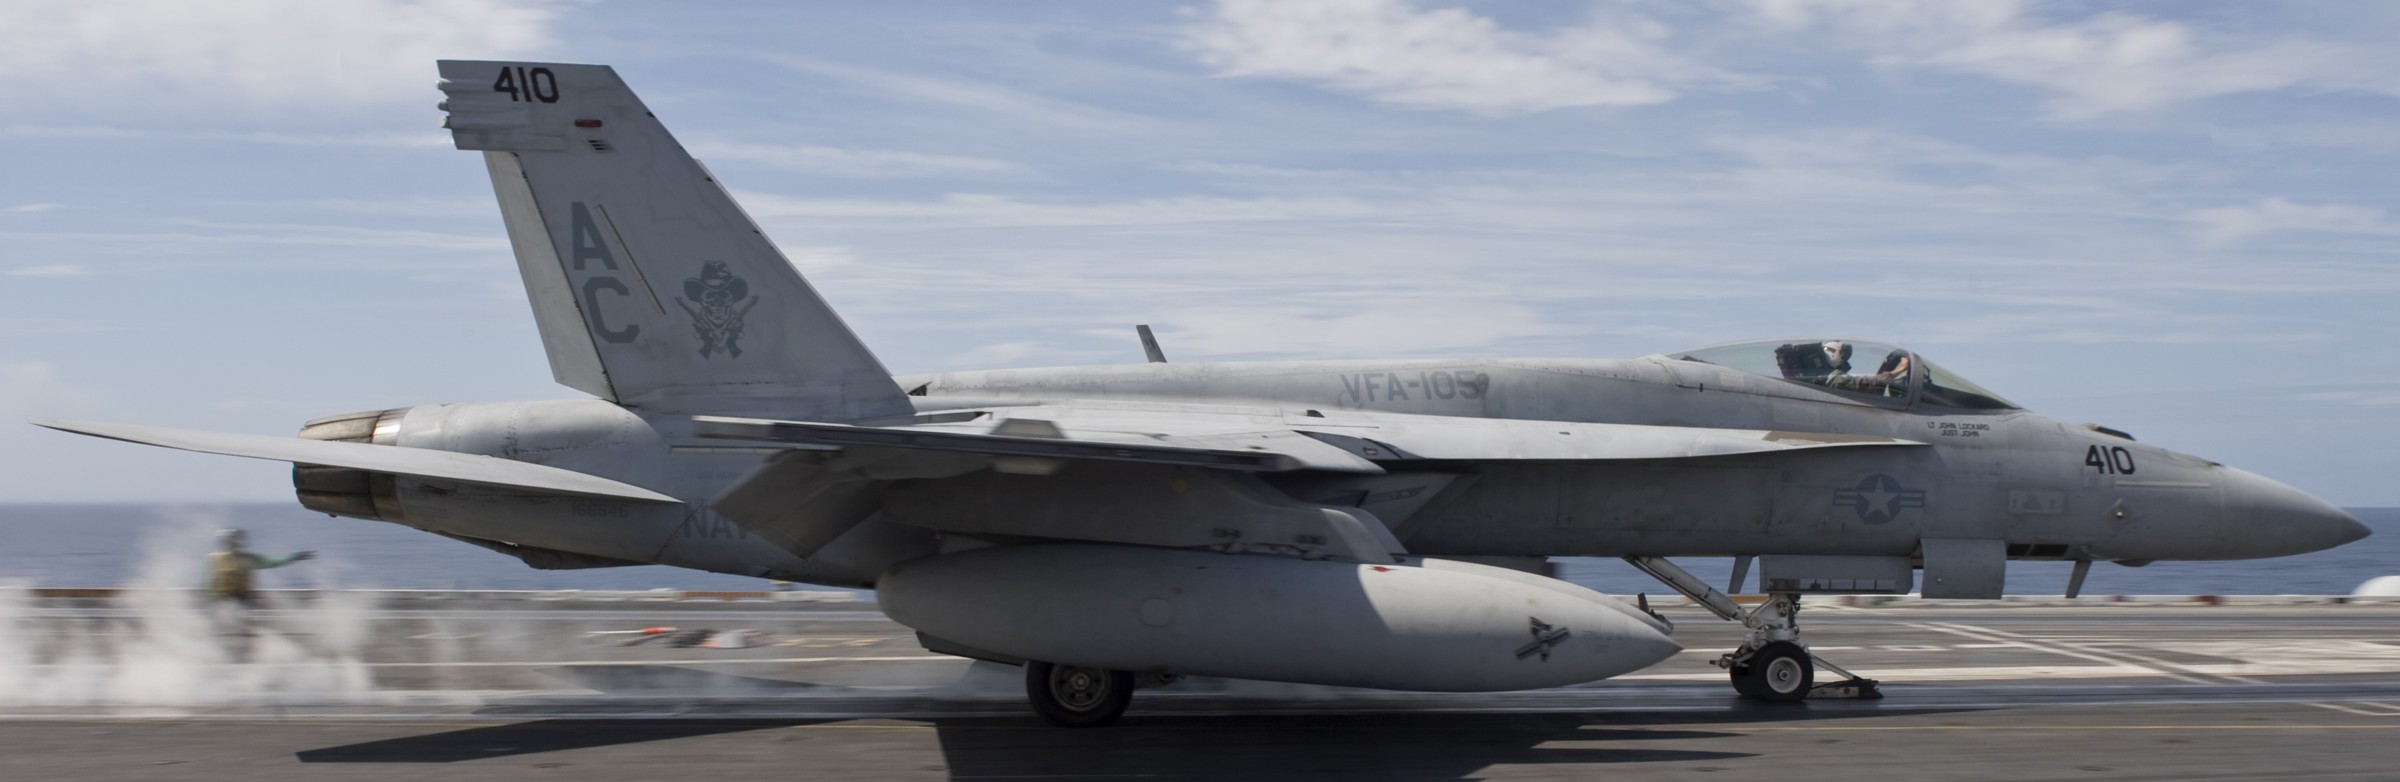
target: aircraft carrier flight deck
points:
(382, 687)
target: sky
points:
(2170, 218)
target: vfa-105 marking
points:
(1364, 523)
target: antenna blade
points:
(1150, 345)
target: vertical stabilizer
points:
(650, 285)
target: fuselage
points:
(2050, 490)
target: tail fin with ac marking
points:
(650, 285)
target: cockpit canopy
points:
(1864, 369)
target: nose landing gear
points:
(1779, 671)
(1772, 664)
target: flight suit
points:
(229, 574)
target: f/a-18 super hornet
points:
(1378, 524)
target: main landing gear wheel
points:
(1779, 672)
(1073, 696)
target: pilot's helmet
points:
(230, 538)
(1837, 353)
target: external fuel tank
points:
(1253, 616)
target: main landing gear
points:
(1073, 696)
(1772, 664)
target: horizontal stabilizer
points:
(412, 462)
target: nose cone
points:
(2354, 532)
(2282, 520)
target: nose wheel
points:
(1074, 696)
(1772, 664)
(1780, 671)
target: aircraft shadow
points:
(529, 738)
(1379, 745)
(1383, 746)
(671, 678)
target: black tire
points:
(1740, 674)
(1779, 672)
(1072, 696)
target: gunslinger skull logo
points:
(717, 300)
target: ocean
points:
(103, 545)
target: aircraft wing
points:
(803, 502)
(1246, 441)
(1217, 442)
(412, 462)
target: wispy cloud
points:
(1908, 237)
(51, 270)
(392, 139)
(33, 208)
(1376, 328)
(2094, 65)
(814, 260)
(2354, 397)
(999, 353)
(997, 211)
(2234, 223)
(2369, 136)
(206, 233)
(68, 326)
(984, 96)
(851, 161)
(146, 56)
(28, 383)
(1445, 58)
(385, 207)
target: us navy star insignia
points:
(1879, 498)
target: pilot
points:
(230, 566)
(1890, 379)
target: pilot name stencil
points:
(1955, 429)
(1879, 498)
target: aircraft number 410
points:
(537, 84)
(2109, 461)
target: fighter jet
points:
(1381, 524)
